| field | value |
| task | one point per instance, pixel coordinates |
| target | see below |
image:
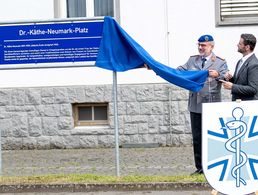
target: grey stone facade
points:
(42, 118)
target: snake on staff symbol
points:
(234, 144)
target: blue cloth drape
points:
(119, 52)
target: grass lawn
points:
(91, 178)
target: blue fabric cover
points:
(119, 52)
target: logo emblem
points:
(230, 146)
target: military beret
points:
(205, 38)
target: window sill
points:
(92, 130)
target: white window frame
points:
(90, 8)
(236, 12)
(60, 9)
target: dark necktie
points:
(203, 62)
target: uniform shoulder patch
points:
(194, 55)
(221, 58)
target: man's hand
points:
(146, 66)
(226, 84)
(228, 75)
(213, 73)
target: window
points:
(90, 114)
(86, 8)
(90, 8)
(236, 12)
(76, 8)
(103, 8)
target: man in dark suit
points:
(244, 83)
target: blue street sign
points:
(54, 43)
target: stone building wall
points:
(42, 118)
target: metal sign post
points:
(116, 124)
(0, 152)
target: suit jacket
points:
(245, 83)
(211, 92)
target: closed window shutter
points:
(239, 8)
(238, 11)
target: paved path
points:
(142, 161)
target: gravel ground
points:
(101, 161)
(142, 161)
